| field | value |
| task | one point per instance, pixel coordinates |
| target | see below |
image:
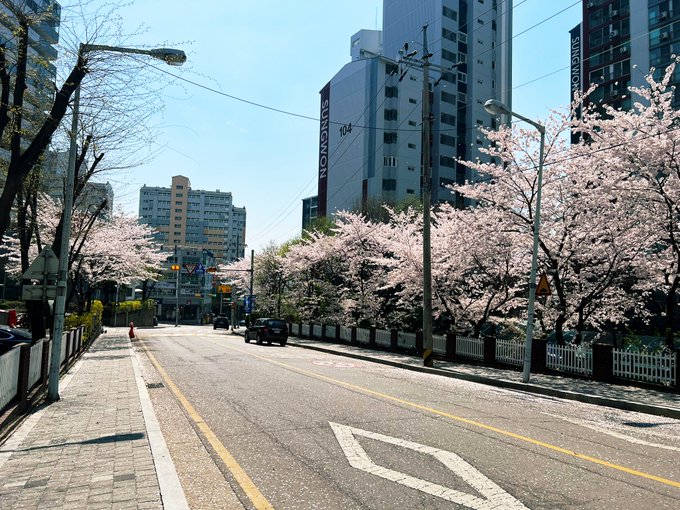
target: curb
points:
(626, 405)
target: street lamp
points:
(495, 107)
(170, 56)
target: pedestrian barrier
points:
(655, 368)
(510, 352)
(363, 335)
(439, 344)
(599, 361)
(345, 334)
(406, 340)
(383, 338)
(469, 347)
(26, 366)
(576, 359)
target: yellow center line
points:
(460, 419)
(241, 477)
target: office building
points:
(618, 42)
(194, 219)
(370, 143)
(309, 211)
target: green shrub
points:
(92, 321)
(133, 306)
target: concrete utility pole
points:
(252, 272)
(427, 190)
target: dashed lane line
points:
(460, 419)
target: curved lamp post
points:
(495, 107)
(170, 56)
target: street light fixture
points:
(495, 107)
(171, 57)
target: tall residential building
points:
(197, 219)
(619, 41)
(370, 144)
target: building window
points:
(391, 114)
(412, 101)
(178, 218)
(179, 186)
(178, 202)
(448, 98)
(411, 145)
(462, 77)
(391, 91)
(449, 55)
(449, 35)
(447, 140)
(412, 123)
(447, 161)
(410, 192)
(391, 69)
(450, 13)
(389, 184)
(449, 119)
(179, 195)
(390, 160)
(389, 137)
(411, 169)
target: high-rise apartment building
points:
(197, 219)
(370, 145)
(618, 42)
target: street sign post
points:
(43, 268)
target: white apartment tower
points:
(370, 145)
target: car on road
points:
(221, 321)
(267, 330)
(9, 337)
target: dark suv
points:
(267, 330)
(221, 321)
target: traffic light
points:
(175, 267)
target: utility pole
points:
(427, 190)
(252, 272)
(178, 260)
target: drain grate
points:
(155, 385)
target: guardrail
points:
(601, 362)
(26, 367)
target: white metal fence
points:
(510, 352)
(576, 359)
(654, 368)
(9, 376)
(469, 347)
(35, 369)
(363, 335)
(345, 333)
(383, 338)
(406, 340)
(316, 330)
(439, 344)
(304, 329)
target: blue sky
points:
(280, 54)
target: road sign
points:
(190, 268)
(38, 292)
(45, 263)
(224, 289)
(543, 288)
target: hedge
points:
(92, 321)
(133, 306)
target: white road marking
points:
(494, 497)
(617, 435)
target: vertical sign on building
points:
(576, 70)
(324, 134)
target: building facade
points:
(617, 44)
(195, 219)
(370, 140)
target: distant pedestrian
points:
(131, 334)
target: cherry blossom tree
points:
(589, 236)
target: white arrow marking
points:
(493, 496)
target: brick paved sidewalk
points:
(92, 449)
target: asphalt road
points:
(289, 428)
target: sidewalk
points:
(99, 446)
(630, 398)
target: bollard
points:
(131, 334)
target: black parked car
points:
(221, 321)
(9, 337)
(267, 330)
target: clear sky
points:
(280, 54)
